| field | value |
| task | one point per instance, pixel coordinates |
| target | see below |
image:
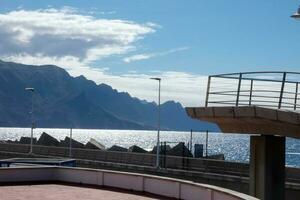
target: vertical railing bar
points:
(238, 90)
(296, 96)
(282, 90)
(251, 90)
(206, 144)
(207, 91)
(191, 140)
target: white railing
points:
(272, 89)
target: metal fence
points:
(279, 90)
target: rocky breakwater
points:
(179, 150)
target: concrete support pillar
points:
(267, 167)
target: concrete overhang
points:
(250, 120)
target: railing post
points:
(191, 140)
(207, 91)
(296, 96)
(251, 89)
(238, 90)
(206, 144)
(282, 90)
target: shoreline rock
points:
(66, 143)
(137, 149)
(117, 148)
(47, 140)
(94, 144)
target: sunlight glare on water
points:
(235, 147)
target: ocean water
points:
(235, 147)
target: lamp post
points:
(31, 116)
(296, 15)
(158, 124)
(70, 147)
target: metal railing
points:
(279, 90)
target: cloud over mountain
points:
(74, 41)
(66, 36)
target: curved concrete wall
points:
(169, 187)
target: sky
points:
(124, 43)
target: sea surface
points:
(235, 147)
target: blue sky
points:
(186, 39)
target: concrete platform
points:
(250, 120)
(267, 149)
(65, 192)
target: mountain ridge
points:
(63, 101)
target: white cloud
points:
(67, 62)
(188, 89)
(61, 34)
(138, 57)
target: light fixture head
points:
(155, 78)
(296, 15)
(29, 89)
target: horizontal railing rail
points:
(279, 90)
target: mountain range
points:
(63, 101)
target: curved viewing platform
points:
(103, 184)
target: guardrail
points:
(128, 158)
(279, 90)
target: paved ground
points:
(64, 192)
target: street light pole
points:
(70, 147)
(32, 120)
(158, 125)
